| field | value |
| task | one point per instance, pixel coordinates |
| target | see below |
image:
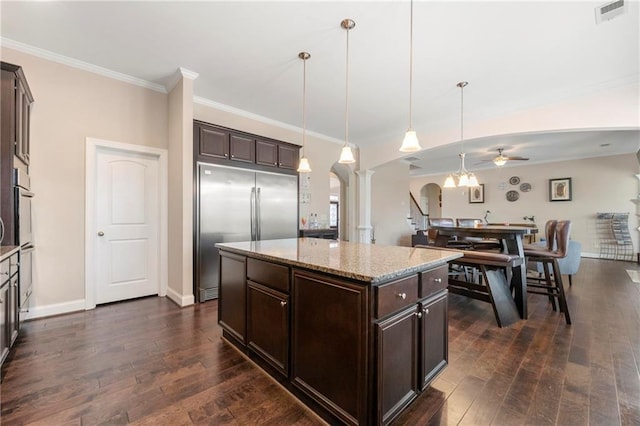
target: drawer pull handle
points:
(283, 303)
(402, 295)
(438, 280)
(426, 311)
(419, 314)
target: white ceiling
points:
(516, 55)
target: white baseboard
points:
(590, 255)
(180, 300)
(55, 309)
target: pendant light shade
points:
(410, 142)
(449, 183)
(303, 166)
(346, 156)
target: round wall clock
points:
(514, 180)
(525, 187)
(512, 195)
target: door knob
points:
(100, 234)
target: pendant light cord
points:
(346, 103)
(304, 102)
(411, 67)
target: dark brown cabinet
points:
(232, 309)
(16, 114)
(268, 325)
(266, 153)
(327, 234)
(434, 343)
(397, 342)
(287, 157)
(242, 148)
(215, 144)
(8, 304)
(356, 352)
(212, 142)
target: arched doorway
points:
(343, 193)
(431, 199)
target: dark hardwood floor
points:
(150, 362)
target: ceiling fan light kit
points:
(501, 159)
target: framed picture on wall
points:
(476, 194)
(560, 189)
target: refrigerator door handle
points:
(258, 216)
(253, 214)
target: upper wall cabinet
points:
(214, 144)
(16, 112)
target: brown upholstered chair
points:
(549, 234)
(551, 285)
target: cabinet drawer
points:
(396, 295)
(269, 274)
(433, 281)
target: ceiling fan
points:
(501, 160)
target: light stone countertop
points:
(371, 263)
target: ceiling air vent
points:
(608, 11)
(412, 159)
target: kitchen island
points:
(355, 331)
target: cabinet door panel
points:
(397, 363)
(329, 344)
(266, 153)
(242, 149)
(268, 325)
(213, 143)
(5, 335)
(435, 352)
(287, 157)
(232, 305)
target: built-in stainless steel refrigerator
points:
(239, 205)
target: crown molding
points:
(178, 75)
(222, 107)
(85, 66)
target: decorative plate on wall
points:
(514, 180)
(525, 187)
(513, 195)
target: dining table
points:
(511, 237)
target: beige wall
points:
(390, 204)
(71, 105)
(603, 184)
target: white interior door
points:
(127, 222)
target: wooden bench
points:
(493, 286)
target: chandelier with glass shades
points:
(465, 178)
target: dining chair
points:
(479, 243)
(551, 285)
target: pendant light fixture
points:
(465, 178)
(346, 156)
(304, 166)
(410, 142)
